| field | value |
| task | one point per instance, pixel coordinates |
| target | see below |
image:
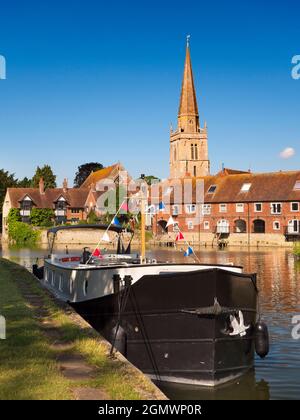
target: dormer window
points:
(297, 186)
(211, 189)
(60, 204)
(26, 203)
(246, 187)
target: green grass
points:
(28, 369)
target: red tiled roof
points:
(269, 187)
(75, 197)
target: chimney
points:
(42, 186)
(65, 185)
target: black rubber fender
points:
(261, 339)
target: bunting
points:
(105, 237)
(161, 206)
(179, 236)
(189, 251)
(171, 222)
(116, 221)
(97, 253)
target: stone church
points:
(188, 143)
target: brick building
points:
(237, 205)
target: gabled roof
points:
(75, 197)
(97, 176)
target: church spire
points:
(188, 117)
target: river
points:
(278, 375)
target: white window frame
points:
(190, 225)
(206, 225)
(224, 208)
(246, 187)
(206, 209)
(276, 204)
(175, 209)
(190, 208)
(275, 228)
(176, 227)
(294, 202)
(261, 208)
(212, 186)
(239, 207)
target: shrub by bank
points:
(296, 249)
(21, 233)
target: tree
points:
(24, 183)
(47, 174)
(84, 171)
(7, 180)
(151, 179)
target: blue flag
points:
(161, 205)
(116, 222)
(188, 252)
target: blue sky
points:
(100, 81)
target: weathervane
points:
(188, 40)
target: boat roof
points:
(114, 228)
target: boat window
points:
(60, 282)
(85, 287)
(71, 285)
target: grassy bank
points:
(29, 357)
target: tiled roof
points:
(269, 187)
(75, 197)
(97, 176)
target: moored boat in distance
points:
(181, 323)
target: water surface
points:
(278, 375)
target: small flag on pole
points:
(179, 236)
(116, 222)
(96, 253)
(188, 252)
(171, 221)
(124, 206)
(161, 205)
(105, 237)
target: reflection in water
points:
(277, 376)
(245, 388)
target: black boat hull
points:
(176, 327)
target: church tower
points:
(188, 144)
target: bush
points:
(42, 217)
(296, 249)
(22, 234)
(92, 218)
(13, 216)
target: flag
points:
(171, 221)
(96, 253)
(116, 222)
(105, 237)
(188, 252)
(179, 236)
(161, 206)
(124, 206)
